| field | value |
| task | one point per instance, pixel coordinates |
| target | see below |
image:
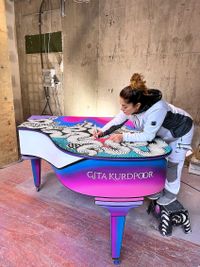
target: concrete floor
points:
(189, 197)
(180, 249)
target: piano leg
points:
(118, 212)
(36, 169)
(117, 224)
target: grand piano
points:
(118, 176)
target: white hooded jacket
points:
(161, 119)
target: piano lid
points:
(73, 135)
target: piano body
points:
(118, 176)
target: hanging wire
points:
(56, 88)
(81, 1)
(46, 89)
(50, 31)
(40, 31)
(46, 43)
(56, 100)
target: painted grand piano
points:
(118, 176)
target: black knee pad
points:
(172, 168)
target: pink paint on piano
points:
(116, 184)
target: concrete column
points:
(8, 140)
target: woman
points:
(152, 117)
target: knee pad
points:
(172, 171)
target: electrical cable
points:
(49, 35)
(46, 89)
(40, 32)
(58, 107)
(198, 190)
(44, 51)
(191, 186)
(55, 92)
(81, 1)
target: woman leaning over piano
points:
(153, 116)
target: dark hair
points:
(136, 92)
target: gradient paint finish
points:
(36, 170)
(118, 199)
(117, 224)
(100, 122)
(103, 178)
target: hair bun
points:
(138, 82)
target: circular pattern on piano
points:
(76, 137)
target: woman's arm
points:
(152, 124)
(117, 122)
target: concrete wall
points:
(81, 40)
(105, 41)
(8, 139)
(158, 38)
(14, 62)
(33, 96)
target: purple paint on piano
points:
(117, 185)
(114, 178)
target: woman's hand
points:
(97, 133)
(118, 138)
